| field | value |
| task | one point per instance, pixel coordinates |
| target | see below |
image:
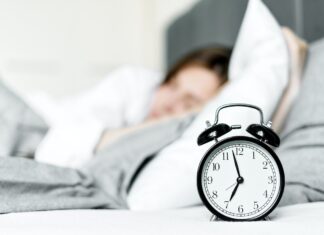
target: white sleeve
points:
(115, 100)
(121, 99)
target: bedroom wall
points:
(64, 46)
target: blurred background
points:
(65, 46)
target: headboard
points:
(217, 22)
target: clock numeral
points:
(216, 166)
(270, 179)
(215, 195)
(253, 155)
(255, 205)
(265, 165)
(240, 209)
(226, 204)
(265, 194)
(239, 151)
(225, 155)
(209, 179)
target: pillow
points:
(258, 75)
(302, 148)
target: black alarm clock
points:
(240, 178)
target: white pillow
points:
(258, 75)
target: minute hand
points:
(236, 166)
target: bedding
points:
(297, 219)
(302, 148)
(28, 185)
(258, 75)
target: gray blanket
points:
(21, 129)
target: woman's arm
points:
(297, 48)
(119, 100)
(112, 135)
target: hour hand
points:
(236, 165)
(234, 191)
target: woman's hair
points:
(215, 59)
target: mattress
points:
(297, 219)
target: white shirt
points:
(123, 98)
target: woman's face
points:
(190, 88)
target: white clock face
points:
(241, 180)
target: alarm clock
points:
(240, 178)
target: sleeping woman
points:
(127, 97)
(132, 95)
(127, 100)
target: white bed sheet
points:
(297, 219)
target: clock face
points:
(240, 179)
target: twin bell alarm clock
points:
(240, 178)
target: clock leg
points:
(214, 218)
(267, 218)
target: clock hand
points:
(236, 166)
(230, 186)
(239, 181)
(234, 191)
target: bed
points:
(296, 219)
